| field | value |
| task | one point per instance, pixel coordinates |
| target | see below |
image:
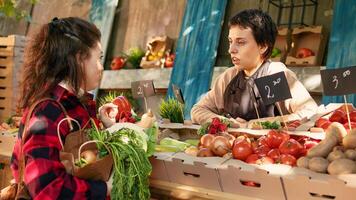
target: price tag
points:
(339, 81)
(273, 88)
(178, 93)
(142, 89)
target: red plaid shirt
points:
(44, 175)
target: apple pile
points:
(340, 116)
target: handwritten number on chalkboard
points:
(269, 92)
(277, 81)
(139, 90)
(336, 81)
(346, 73)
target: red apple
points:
(169, 60)
(117, 63)
(304, 52)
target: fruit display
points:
(304, 53)
(158, 53)
(339, 115)
(117, 63)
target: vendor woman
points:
(252, 35)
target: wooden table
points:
(167, 190)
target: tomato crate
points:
(8, 102)
(159, 171)
(258, 181)
(306, 184)
(194, 171)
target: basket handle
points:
(59, 125)
(92, 141)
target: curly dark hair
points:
(264, 30)
(54, 54)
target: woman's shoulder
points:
(228, 74)
(275, 67)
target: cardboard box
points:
(159, 171)
(235, 174)
(312, 38)
(194, 171)
(305, 184)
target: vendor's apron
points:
(241, 94)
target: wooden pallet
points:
(13, 40)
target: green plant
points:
(11, 9)
(171, 109)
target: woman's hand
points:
(107, 114)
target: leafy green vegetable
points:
(271, 125)
(171, 109)
(172, 142)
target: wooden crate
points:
(13, 40)
(7, 142)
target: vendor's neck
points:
(251, 71)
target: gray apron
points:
(241, 94)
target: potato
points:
(334, 155)
(336, 130)
(350, 154)
(323, 148)
(339, 148)
(318, 164)
(349, 140)
(303, 162)
(342, 166)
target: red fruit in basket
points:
(304, 53)
(326, 125)
(265, 160)
(117, 63)
(338, 116)
(262, 141)
(262, 150)
(353, 116)
(291, 147)
(288, 159)
(251, 159)
(241, 149)
(320, 122)
(275, 138)
(123, 106)
(274, 154)
(353, 125)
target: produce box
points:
(305, 184)
(281, 43)
(262, 181)
(7, 142)
(312, 38)
(194, 171)
(11, 60)
(159, 170)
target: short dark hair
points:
(264, 30)
(51, 57)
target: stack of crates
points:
(11, 59)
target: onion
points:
(89, 156)
(206, 140)
(220, 146)
(193, 151)
(205, 152)
(229, 137)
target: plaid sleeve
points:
(45, 176)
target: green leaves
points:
(171, 109)
(10, 8)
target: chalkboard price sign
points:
(273, 88)
(142, 89)
(178, 93)
(340, 81)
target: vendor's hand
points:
(107, 114)
(109, 184)
(238, 123)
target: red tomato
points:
(353, 116)
(288, 159)
(262, 141)
(169, 61)
(326, 125)
(251, 159)
(242, 149)
(304, 52)
(291, 147)
(275, 138)
(262, 150)
(123, 106)
(250, 183)
(274, 154)
(347, 127)
(338, 116)
(309, 144)
(264, 160)
(117, 63)
(320, 122)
